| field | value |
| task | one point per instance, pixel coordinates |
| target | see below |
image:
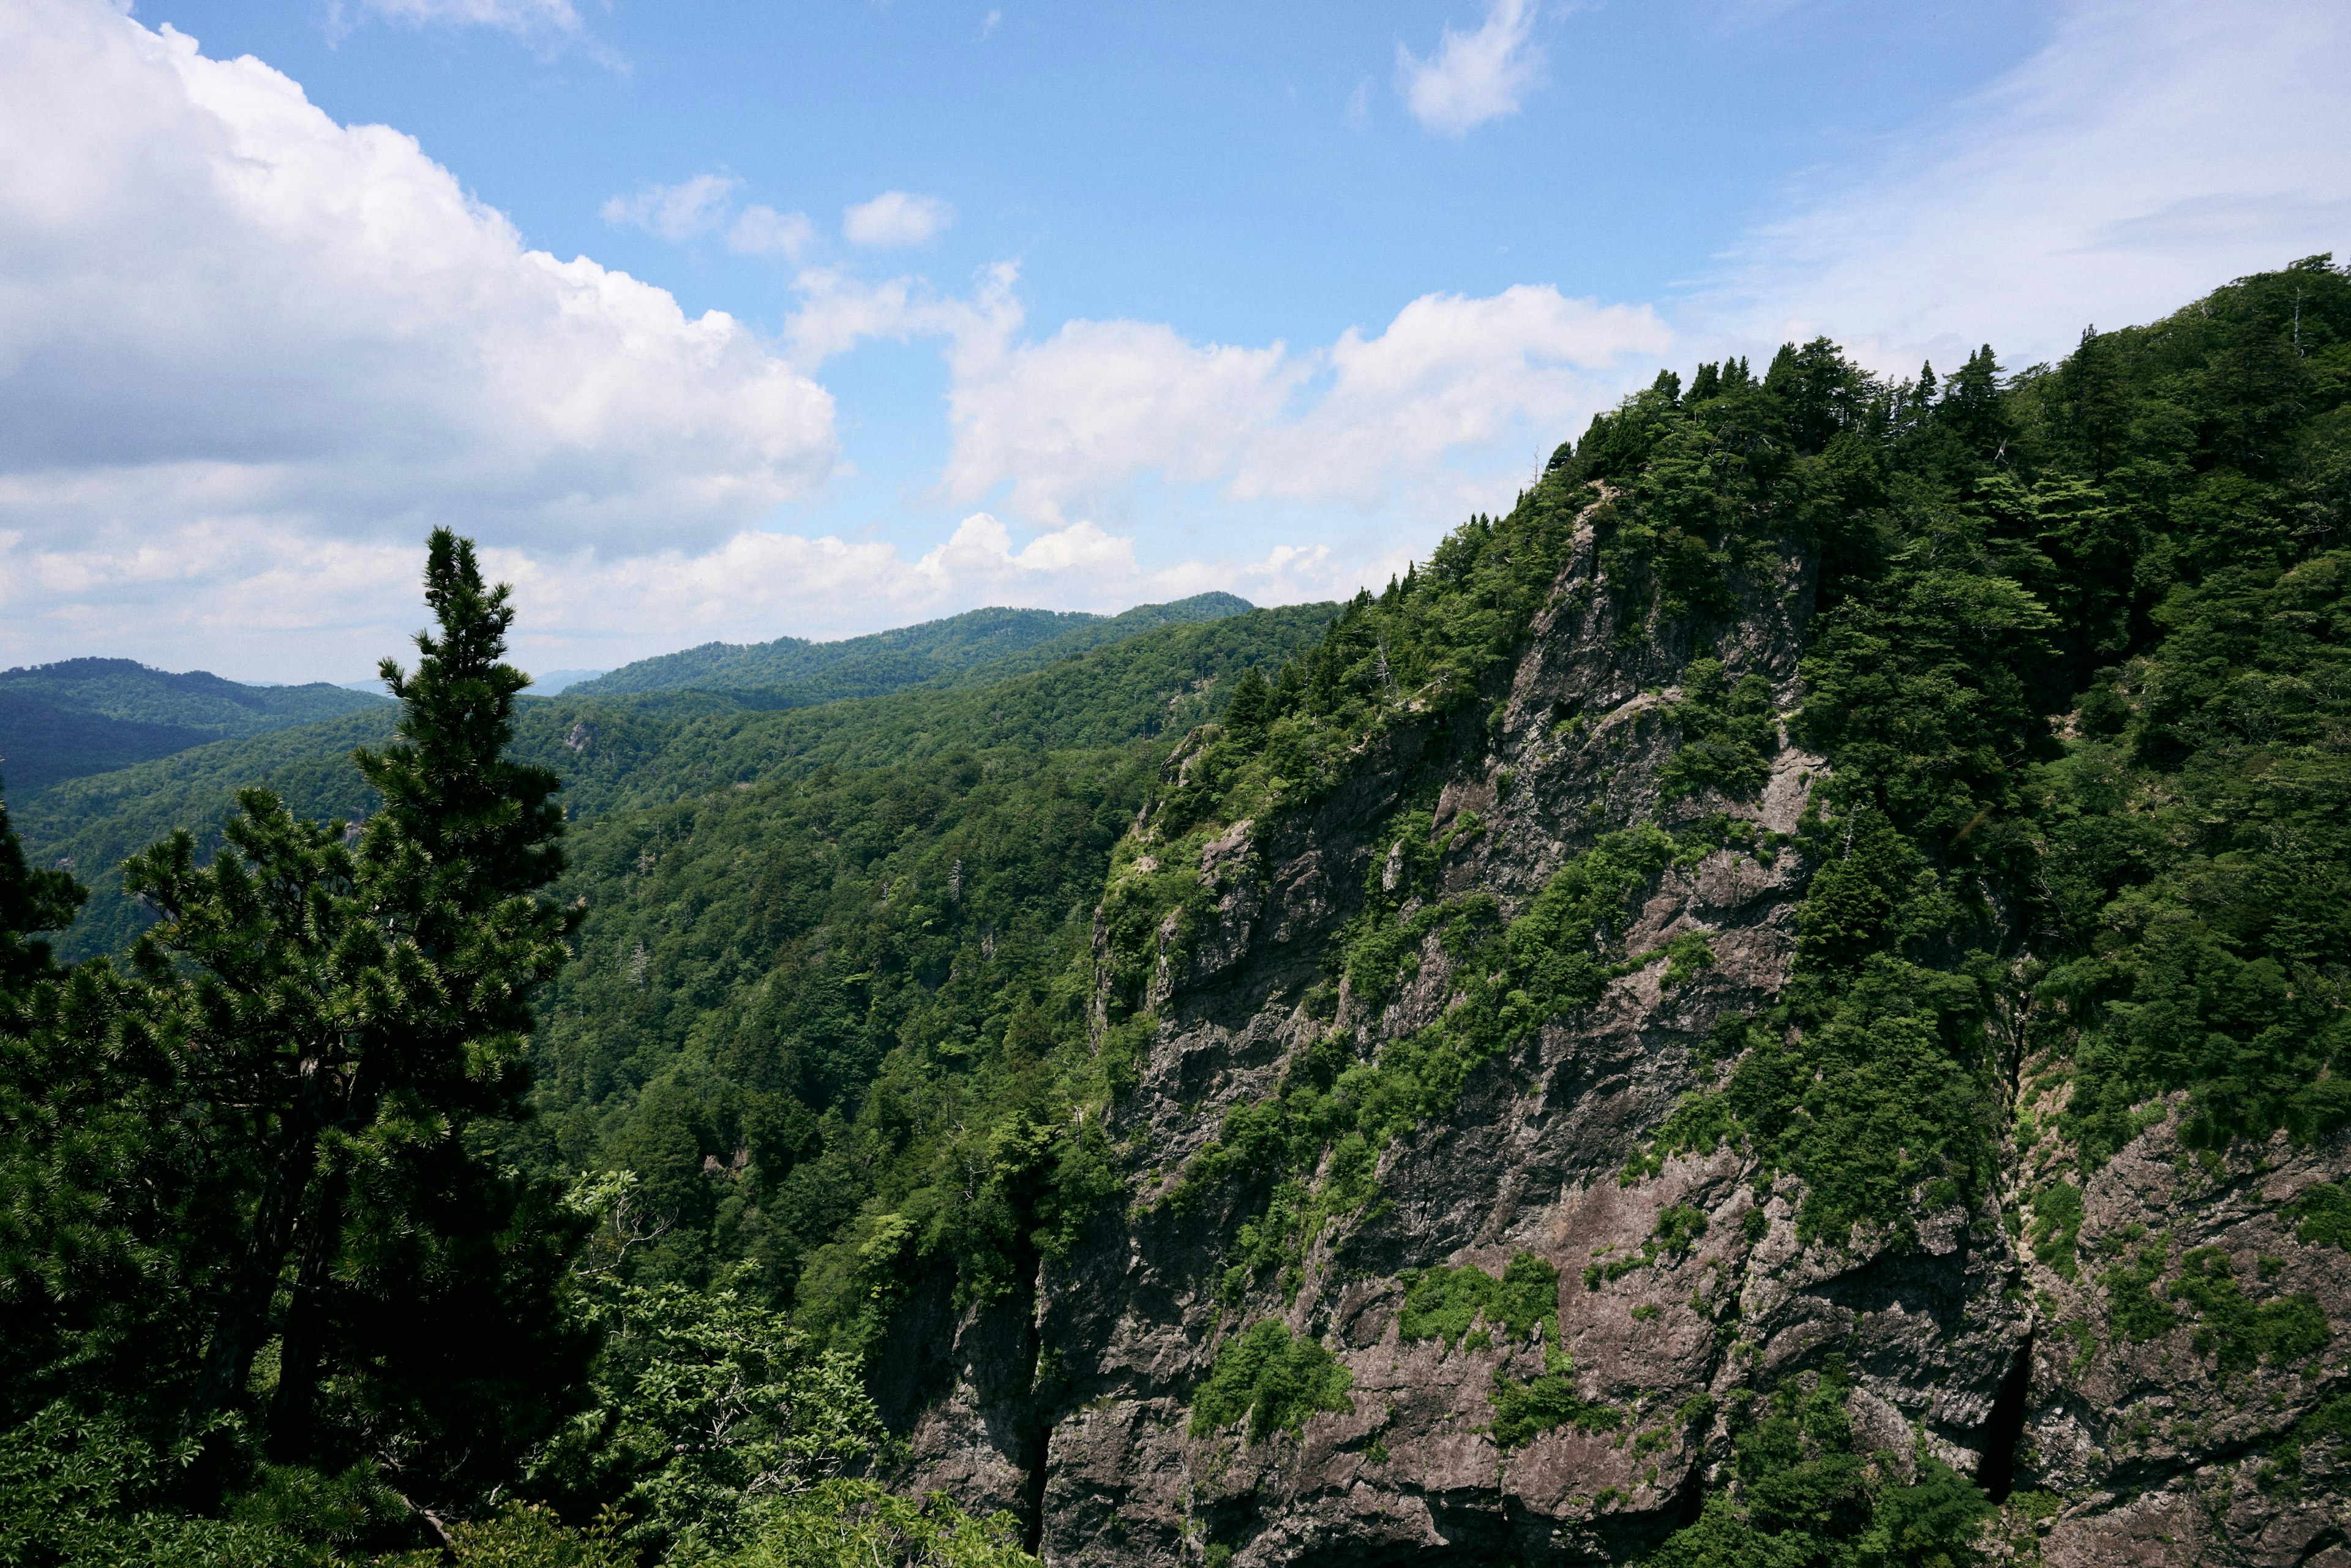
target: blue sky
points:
(732, 320)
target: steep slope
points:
(978, 646)
(1785, 997)
(1239, 1010)
(799, 971)
(90, 715)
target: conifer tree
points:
(1252, 706)
(351, 1014)
(2096, 404)
(78, 1283)
(31, 902)
(1971, 407)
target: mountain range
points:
(81, 717)
(1785, 1000)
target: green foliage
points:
(865, 983)
(859, 988)
(2329, 1422)
(2238, 1334)
(31, 902)
(621, 755)
(2078, 664)
(1728, 733)
(705, 1407)
(1442, 1303)
(90, 715)
(2057, 1227)
(974, 648)
(2132, 1309)
(1866, 1108)
(2221, 870)
(80, 1489)
(1523, 1411)
(348, 1013)
(1517, 975)
(1801, 1493)
(1251, 707)
(2322, 1213)
(1685, 954)
(1677, 1229)
(1273, 1380)
(859, 1524)
(94, 824)
(525, 1535)
(245, 1184)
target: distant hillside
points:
(82, 716)
(626, 753)
(792, 672)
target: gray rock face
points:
(1072, 1408)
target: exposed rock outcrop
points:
(1959, 1343)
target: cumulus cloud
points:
(1076, 415)
(2152, 150)
(679, 212)
(1098, 402)
(763, 231)
(895, 220)
(217, 305)
(235, 600)
(705, 203)
(246, 354)
(1473, 77)
(761, 580)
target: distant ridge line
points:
(881, 662)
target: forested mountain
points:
(975, 647)
(660, 748)
(1780, 1002)
(89, 715)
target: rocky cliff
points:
(1678, 1288)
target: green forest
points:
(502, 1131)
(81, 716)
(972, 648)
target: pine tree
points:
(31, 902)
(92, 1163)
(2096, 406)
(352, 1014)
(1252, 705)
(1972, 409)
(1820, 390)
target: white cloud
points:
(988, 24)
(1473, 77)
(1072, 418)
(1452, 374)
(236, 601)
(759, 583)
(2152, 150)
(218, 307)
(895, 219)
(763, 231)
(1100, 403)
(678, 212)
(519, 16)
(837, 311)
